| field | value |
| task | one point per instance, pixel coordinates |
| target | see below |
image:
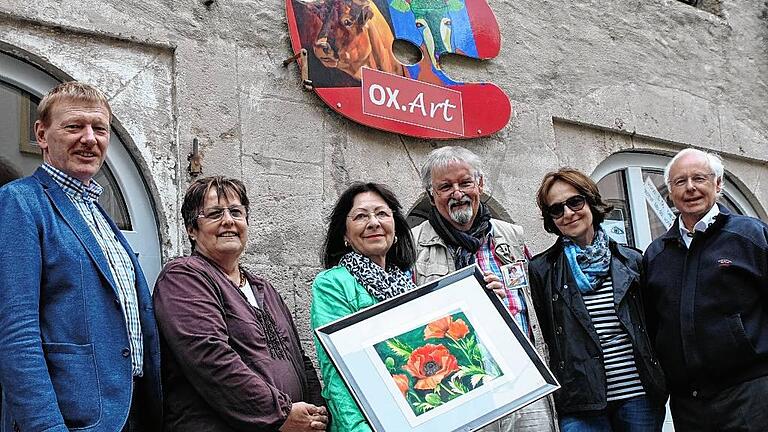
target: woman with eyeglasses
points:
(586, 291)
(231, 357)
(367, 251)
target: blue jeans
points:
(636, 414)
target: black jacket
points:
(574, 346)
(709, 304)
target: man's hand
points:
(494, 284)
(305, 417)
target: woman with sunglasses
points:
(586, 291)
(231, 356)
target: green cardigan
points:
(336, 294)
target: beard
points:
(462, 216)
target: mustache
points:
(455, 202)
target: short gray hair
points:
(714, 161)
(443, 156)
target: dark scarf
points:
(380, 284)
(591, 264)
(464, 243)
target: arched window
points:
(623, 179)
(125, 197)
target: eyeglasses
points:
(697, 179)
(363, 217)
(214, 214)
(575, 203)
(446, 189)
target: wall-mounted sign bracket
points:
(301, 58)
(195, 167)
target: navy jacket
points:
(574, 346)
(709, 304)
(62, 331)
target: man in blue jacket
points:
(707, 301)
(77, 330)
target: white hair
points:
(442, 157)
(714, 161)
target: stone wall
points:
(586, 79)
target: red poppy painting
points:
(437, 362)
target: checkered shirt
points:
(488, 261)
(84, 198)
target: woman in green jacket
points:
(367, 252)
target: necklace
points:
(242, 279)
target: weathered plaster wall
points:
(138, 80)
(656, 74)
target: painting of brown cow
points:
(346, 35)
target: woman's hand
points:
(494, 284)
(305, 417)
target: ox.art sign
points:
(350, 63)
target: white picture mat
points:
(520, 383)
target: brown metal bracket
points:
(195, 167)
(301, 58)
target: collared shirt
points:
(701, 225)
(84, 199)
(489, 262)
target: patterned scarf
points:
(591, 264)
(464, 243)
(380, 284)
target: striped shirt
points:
(84, 199)
(622, 378)
(488, 261)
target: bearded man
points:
(460, 232)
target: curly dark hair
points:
(402, 254)
(198, 190)
(583, 184)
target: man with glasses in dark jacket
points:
(707, 303)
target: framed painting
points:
(446, 356)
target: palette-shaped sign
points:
(352, 67)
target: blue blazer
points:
(64, 362)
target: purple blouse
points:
(226, 365)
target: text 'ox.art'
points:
(413, 102)
(345, 48)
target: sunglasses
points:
(575, 203)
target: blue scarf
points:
(591, 264)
